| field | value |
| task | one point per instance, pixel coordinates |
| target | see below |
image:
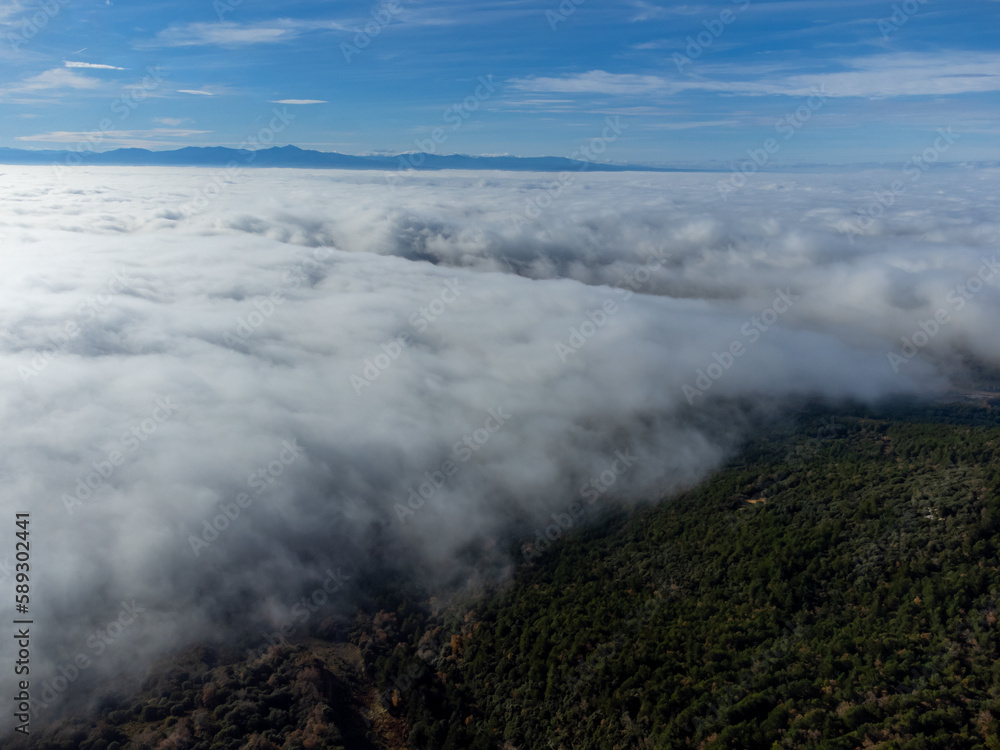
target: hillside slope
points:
(836, 587)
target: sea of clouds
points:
(218, 390)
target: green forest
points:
(835, 586)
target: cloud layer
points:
(347, 367)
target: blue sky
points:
(831, 81)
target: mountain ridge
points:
(295, 157)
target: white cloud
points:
(197, 92)
(225, 34)
(232, 314)
(300, 101)
(120, 138)
(675, 44)
(690, 125)
(593, 82)
(7, 10)
(910, 75)
(876, 76)
(53, 80)
(97, 66)
(231, 34)
(646, 11)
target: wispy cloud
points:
(912, 75)
(197, 92)
(97, 66)
(677, 44)
(690, 125)
(299, 101)
(61, 136)
(128, 138)
(877, 76)
(225, 34)
(58, 78)
(51, 82)
(799, 6)
(594, 82)
(872, 77)
(646, 11)
(230, 34)
(7, 10)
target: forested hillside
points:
(836, 586)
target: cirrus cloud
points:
(95, 66)
(592, 82)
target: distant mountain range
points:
(293, 156)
